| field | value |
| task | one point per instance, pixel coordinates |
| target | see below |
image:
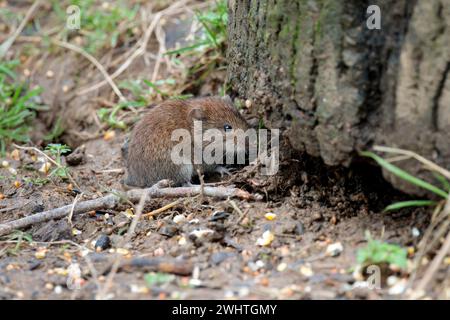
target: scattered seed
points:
(40, 253)
(15, 154)
(5, 164)
(122, 251)
(58, 289)
(266, 239)
(270, 216)
(182, 241)
(158, 252)
(248, 103)
(76, 232)
(109, 135)
(50, 74)
(17, 184)
(45, 168)
(281, 267)
(49, 286)
(264, 281)
(306, 270)
(200, 233)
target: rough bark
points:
(313, 68)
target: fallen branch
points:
(112, 200)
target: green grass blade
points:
(444, 182)
(404, 175)
(188, 48)
(410, 203)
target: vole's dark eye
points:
(227, 127)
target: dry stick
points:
(139, 51)
(8, 43)
(162, 209)
(434, 266)
(72, 180)
(95, 62)
(429, 164)
(77, 197)
(111, 200)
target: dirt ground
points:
(200, 248)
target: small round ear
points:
(227, 99)
(196, 114)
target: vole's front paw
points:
(222, 170)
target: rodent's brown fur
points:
(147, 154)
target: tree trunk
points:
(314, 68)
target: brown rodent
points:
(147, 154)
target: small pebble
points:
(219, 215)
(58, 289)
(102, 243)
(415, 232)
(248, 103)
(334, 249)
(50, 74)
(299, 228)
(158, 252)
(398, 288)
(168, 230)
(179, 219)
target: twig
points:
(434, 266)
(202, 184)
(134, 195)
(162, 209)
(9, 42)
(158, 265)
(444, 250)
(49, 159)
(77, 197)
(139, 51)
(95, 62)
